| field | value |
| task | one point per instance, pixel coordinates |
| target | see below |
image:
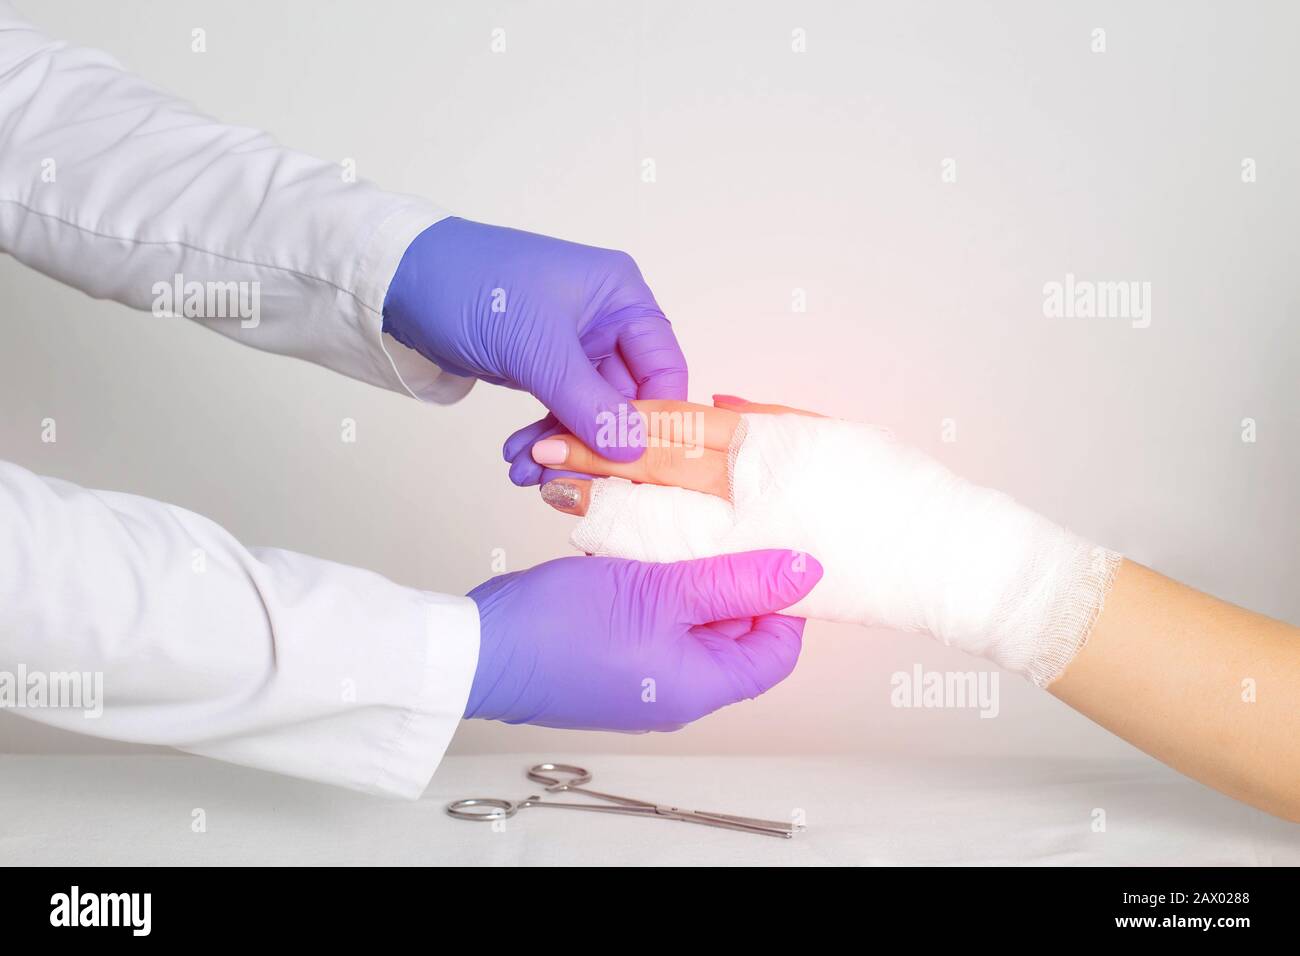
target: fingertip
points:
(524, 471)
(793, 575)
(788, 624)
(810, 568)
(550, 451)
(803, 571)
(519, 442)
(570, 497)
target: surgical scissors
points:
(553, 776)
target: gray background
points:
(776, 171)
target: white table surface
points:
(71, 810)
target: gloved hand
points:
(608, 644)
(574, 325)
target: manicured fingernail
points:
(561, 494)
(729, 400)
(550, 451)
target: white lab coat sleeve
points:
(125, 192)
(259, 657)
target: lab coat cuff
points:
(451, 657)
(410, 371)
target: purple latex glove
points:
(574, 325)
(607, 644)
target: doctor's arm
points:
(185, 638)
(133, 620)
(125, 192)
(1206, 687)
(120, 189)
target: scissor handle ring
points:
(542, 771)
(500, 809)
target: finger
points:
(559, 474)
(680, 437)
(572, 496)
(768, 654)
(693, 467)
(523, 470)
(735, 404)
(590, 407)
(615, 371)
(522, 440)
(739, 585)
(667, 421)
(652, 522)
(670, 422)
(757, 660)
(517, 450)
(653, 358)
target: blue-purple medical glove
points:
(607, 644)
(574, 325)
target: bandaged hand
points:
(904, 542)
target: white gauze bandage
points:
(904, 543)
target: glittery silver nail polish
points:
(561, 494)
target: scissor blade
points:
(596, 808)
(728, 823)
(672, 813)
(630, 802)
(752, 821)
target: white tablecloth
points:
(141, 810)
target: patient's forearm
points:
(1209, 688)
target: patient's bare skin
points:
(700, 464)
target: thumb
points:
(591, 408)
(748, 584)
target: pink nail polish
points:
(550, 451)
(729, 400)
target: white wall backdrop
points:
(776, 170)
